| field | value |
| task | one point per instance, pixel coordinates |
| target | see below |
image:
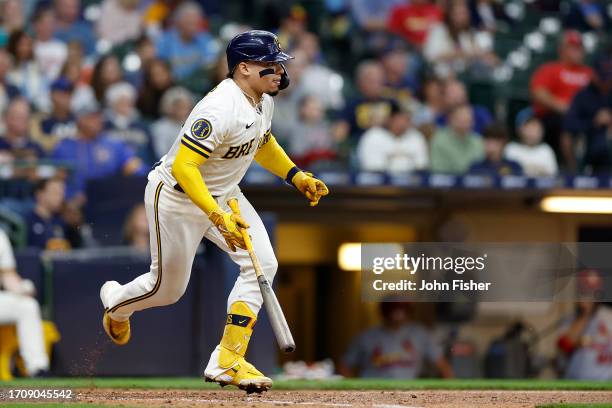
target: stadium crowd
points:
(101, 88)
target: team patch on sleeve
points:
(201, 129)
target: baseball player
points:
(224, 132)
(18, 307)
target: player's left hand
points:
(310, 186)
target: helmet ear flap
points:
(284, 80)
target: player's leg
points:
(176, 228)
(24, 312)
(227, 363)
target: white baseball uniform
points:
(228, 130)
(24, 312)
(593, 360)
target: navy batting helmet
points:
(256, 45)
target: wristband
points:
(294, 170)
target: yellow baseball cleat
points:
(228, 357)
(245, 376)
(118, 332)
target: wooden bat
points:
(275, 313)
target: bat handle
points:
(233, 205)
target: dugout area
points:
(326, 300)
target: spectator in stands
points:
(368, 109)
(396, 147)
(45, 226)
(454, 45)
(432, 104)
(157, 80)
(537, 159)
(402, 74)
(176, 104)
(145, 50)
(590, 118)
(11, 18)
(107, 72)
(186, 46)
(413, 20)
(456, 147)
(586, 15)
(16, 141)
(18, 307)
(494, 162)
(310, 141)
(398, 348)
(8, 91)
(49, 129)
(70, 27)
(136, 229)
(120, 21)
(83, 93)
(455, 95)
(50, 53)
(123, 123)
(316, 78)
(553, 86)
(26, 74)
(93, 154)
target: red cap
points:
(572, 37)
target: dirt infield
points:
(379, 399)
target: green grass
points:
(346, 384)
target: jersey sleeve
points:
(206, 128)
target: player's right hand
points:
(229, 226)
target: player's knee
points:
(173, 294)
(28, 306)
(270, 266)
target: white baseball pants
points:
(24, 312)
(176, 228)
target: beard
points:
(273, 93)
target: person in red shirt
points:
(554, 85)
(412, 21)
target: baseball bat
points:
(275, 313)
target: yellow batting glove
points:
(310, 186)
(229, 226)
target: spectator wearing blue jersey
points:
(49, 129)
(15, 143)
(70, 27)
(186, 46)
(494, 163)
(94, 155)
(46, 229)
(370, 108)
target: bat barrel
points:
(277, 318)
